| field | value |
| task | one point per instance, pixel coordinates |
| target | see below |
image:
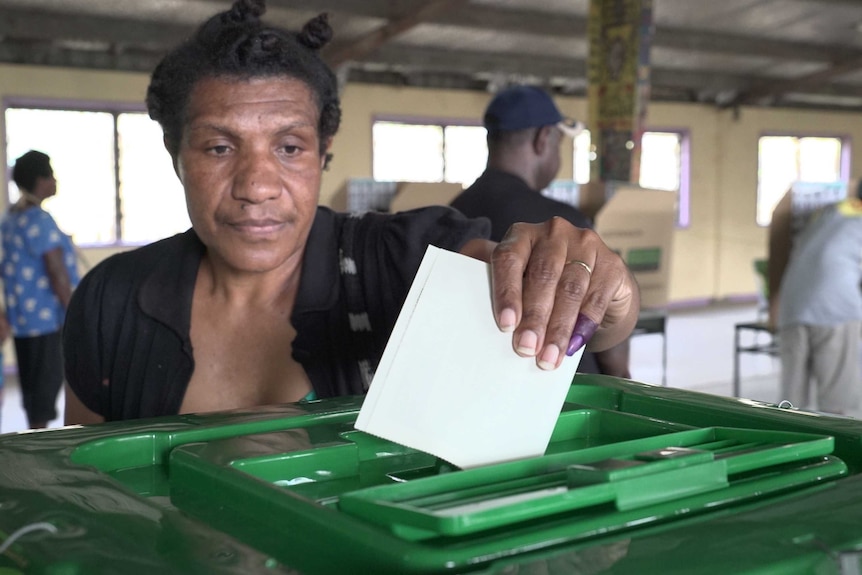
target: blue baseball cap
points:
(523, 107)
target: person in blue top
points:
(39, 273)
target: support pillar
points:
(618, 74)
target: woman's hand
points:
(557, 288)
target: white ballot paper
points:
(450, 383)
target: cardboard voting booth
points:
(367, 194)
(565, 191)
(363, 195)
(592, 196)
(639, 224)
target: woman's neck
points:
(27, 200)
(276, 288)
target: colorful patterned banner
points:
(618, 74)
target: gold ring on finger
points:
(584, 265)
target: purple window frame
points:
(683, 214)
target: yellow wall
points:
(696, 249)
(712, 258)
(46, 82)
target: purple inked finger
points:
(584, 330)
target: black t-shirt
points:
(126, 339)
(506, 199)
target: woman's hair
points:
(236, 44)
(29, 168)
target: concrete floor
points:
(699, 357)
(700, 349)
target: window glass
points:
(81, 146)
(783, 160)
(151, 196)
(819, 159)
(407, 152)
(466, 153)
(428, 152)
(660, 160)
(584, 154)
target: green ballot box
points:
(637, 479)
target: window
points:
(428, 152)
(115, 181)
(783, 160)
(661, 160)
(664, 165)
(584, 154)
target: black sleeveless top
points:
(126, 339)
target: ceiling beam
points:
(413, 58)
(361, 47)
(836, 2)
(41, 54)
(775, 89)
(407, 58)
(45, 25)
(486, 17)
(27, 35)
(704, 41)
(441, 81)
(427, 67)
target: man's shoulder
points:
(478, 196)
(474, 191)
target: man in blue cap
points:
(525, 130)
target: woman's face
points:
(250, 163)
(45, 187)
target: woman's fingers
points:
(555, 285)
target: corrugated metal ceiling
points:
(703, 50)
